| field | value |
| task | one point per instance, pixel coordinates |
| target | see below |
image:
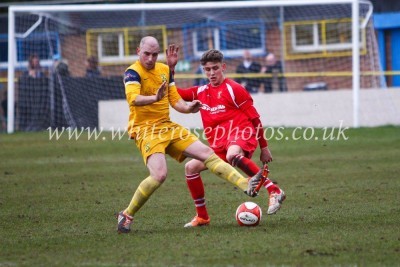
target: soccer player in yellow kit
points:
(150, 89)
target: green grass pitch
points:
(58, 199)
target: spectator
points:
(34, 68)
(92, 67)
(60, 67)
(249, 66)
(273, 67)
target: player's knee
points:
(159, 175)
(192, 167)
(189, 168)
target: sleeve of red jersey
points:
(245, 102)
(188, 94)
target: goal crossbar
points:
(172, 6)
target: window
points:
(205, 39)
(110, 46)
(118, 45)
(44, 45)
(322, 36)
(230, 37)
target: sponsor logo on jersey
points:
(214, 110)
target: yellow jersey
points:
(140, 81)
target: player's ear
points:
(137, 50)
(223, 66)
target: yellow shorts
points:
(167, 138)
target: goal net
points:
(83, 51)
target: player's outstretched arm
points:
(142, 100)
(189, 107)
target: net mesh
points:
(83, 54)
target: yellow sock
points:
(219, 167)
(142, 194)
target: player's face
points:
(148, 54)
(215, 72)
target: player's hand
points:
(265, 155)
(161, 91)
(172, 55)
(195, 106)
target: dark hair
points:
(62, 69)
(211, 55)
(93, 62)
(30, 60)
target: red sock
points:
(250, 168)
(245, 164)
(196, 188)
(271, 187)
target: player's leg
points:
(216, 165)
(156, 163)
(236, 157)
(196, 188)
(157, 166)
(153, 153)
(180, 139)
(185, 144)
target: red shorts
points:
(248, 145)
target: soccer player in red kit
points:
(233, 129)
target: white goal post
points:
(67, 19)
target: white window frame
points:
(121, 50)
(317, 46)
(121, 58)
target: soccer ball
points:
(248, 214)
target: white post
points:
(11, 73)
(356, 63)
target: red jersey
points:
(223, 112)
